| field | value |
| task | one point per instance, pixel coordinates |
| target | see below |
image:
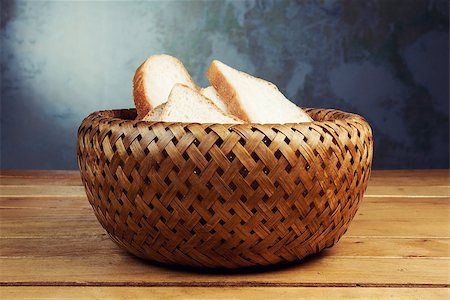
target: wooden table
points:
(52, 246)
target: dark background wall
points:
(387, 60)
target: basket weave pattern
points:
(224, 195)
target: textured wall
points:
(387, 60)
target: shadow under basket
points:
(228, 196)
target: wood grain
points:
(41, 190)
(126, 270)
(397, 246)
(410, 178)
(221, 293)
(438, 191)
(40, 177)
(435, 177)
(101, 245)
(402, 217)
(63, 191)
(406, 217)
(411, 183)
(30, 202)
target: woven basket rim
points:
(330, 116)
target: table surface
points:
(51, 246)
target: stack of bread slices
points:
(164, 91)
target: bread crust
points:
(143, 106)
(226, 92)
(142, 102)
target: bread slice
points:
(154, 114)
(154, 80)
(188, 106)
(211, 93)
(253, 99)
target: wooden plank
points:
(429, 183)
(98, 245)
(23, 181)
(368, 247)
(403, 217)
(5, 173)
(40, 177)
(41, 191)
(82, 201)
(410, 177)
(101, 245)
(125, 269)
(377, 217)
(407, 191)
(48, 292)
(68, 202)
(378, 177)
(17, 222)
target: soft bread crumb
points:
(211, 93)
(187, 105)
(154, 114)
(253, 99)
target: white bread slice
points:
(154, 80)
(154, 114)
(188, 106)
(253, 99)
(211, 93)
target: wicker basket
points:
(218, 195)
